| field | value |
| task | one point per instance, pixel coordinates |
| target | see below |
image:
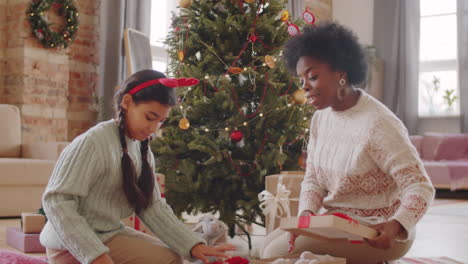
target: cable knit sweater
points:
(84, 200)
(362, 163)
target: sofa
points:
(25, 168)
(445, 158)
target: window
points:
(161, 13)
(438, 73)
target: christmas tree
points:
(245, 119)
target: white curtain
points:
(462, 27)
(295, 7)
(116, 15)
(396, 38)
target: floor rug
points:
(440, 260)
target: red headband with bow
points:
(169, 82)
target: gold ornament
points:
(299, 97)
(285, 16)
(270, 61)
(180, 54)
(185, 3)
(184, 124)
(235, 70)
(249, 1)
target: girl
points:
(360, 160)
(106, 174)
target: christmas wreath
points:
(41, 27)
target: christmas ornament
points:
(285, 16)
(180, 55)
(270, 61)
(185, 3)
(293, 29)
(249, 1)
(236, 135)
(299, 97)
(308, 17)
(40, 29)
(184, 124)
(235, 70)
(198, 55)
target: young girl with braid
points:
(105, 175)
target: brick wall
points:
(52, 87)
(2, 46)
(83, 62)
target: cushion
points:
(10, 131)
(10, 257)
(429, 144)
(21, 172)
(452, 147)
(417, 143)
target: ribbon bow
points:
(275, 206)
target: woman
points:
(360, 160)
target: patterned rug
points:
(441, 260)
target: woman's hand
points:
(293, 237)
(103, 259)
(387, 232)
(201, 251)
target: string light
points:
(207, 130)
(227, 129)
(245, 123)
(289, 105)
(206, 77)
(261, 114)
(245, 69)
(264, 64)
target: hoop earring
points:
(342, 82)
(342, 90)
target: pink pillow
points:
(452, 147)
(10, 257)
(417, 143)
(430, 143)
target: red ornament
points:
(308, 17)
(237, 135)
(293, 29)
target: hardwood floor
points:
(442, 232)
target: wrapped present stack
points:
(133, 221)
(281, 197)
(26, 238)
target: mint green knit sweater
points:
(84, 200)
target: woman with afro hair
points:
(360, 161)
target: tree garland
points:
(41, 27)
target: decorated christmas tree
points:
(246, 119)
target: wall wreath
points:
(41, 27)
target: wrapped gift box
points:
(292, 181)
(133, 221)
(32, 223)
(28, 243)
(296, 256)
(328, 227)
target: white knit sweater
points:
(84, 200)
(362, 163)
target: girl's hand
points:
(387, 232)
(292, 237)
(201, 251)
(103, 259)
